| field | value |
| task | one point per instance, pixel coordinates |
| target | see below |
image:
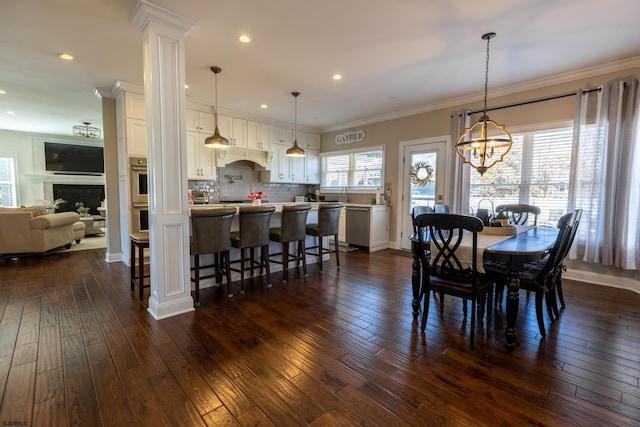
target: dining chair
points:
(419, 210)
(520, 214)
(441, 208)
(538, 276)
(448, 270)
(562, 267)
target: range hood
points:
(231, 155)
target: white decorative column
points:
(164, 78)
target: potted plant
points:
(502, 218)
(82, 209)
(51, 207)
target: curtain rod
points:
(533, 101)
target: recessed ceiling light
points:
(2, 92)
(11, 113)
(337, 76)
(66, 56)
(244, 38)
(264, 106)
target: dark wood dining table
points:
(525, 246)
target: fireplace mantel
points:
(65, 179)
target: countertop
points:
(278, 206)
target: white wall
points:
(28, 148)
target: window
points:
(353, 169)
(535, 172)
(8, 182)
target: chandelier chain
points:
(486, 78)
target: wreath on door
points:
(421, 173)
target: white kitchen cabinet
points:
(200, 121)
(234, 129)
(258, 135)
(312, 166)
(313, 141)
(201, 160)
(379, 232)
(280, 168)
(282, 136)
(134, 106)
(136, 137)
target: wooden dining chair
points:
(441, 208)
(520, 214)
(562, 267)
(446, 271)
(419, 210)
(539, 276)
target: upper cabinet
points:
(281, 136)
(134, 106)
(131, 123)
(258, 135)
(313, 141)
(201, 160)
(200, 121)
(234, 129)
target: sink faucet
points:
(345, 194)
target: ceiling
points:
(395, 56)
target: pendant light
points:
(216, 140)
(484, 150)
(295, 150)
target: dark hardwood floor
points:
(336, 348)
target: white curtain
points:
(458, 185)
(605, 173)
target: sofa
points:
(31, 230)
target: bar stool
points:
(139, 242)
(211, 234)
(292, 229)
(254, 233)
(328, 225)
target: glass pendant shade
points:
(216, 140)
(486, 142)
(295, 150)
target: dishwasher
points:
(358, 225)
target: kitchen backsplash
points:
(236, 182)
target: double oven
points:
(139, 194)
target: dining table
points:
(528, 243)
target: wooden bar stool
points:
(328, 225)
(254, 233)
(293, 228)
(211, 234)
(139, 242)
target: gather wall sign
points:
(350, 137)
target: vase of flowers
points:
(256, 197)
(82, 209)
(51, 207)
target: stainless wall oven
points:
(139, 183)
(139, 194)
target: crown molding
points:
(569, 76)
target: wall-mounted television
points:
(73, 159)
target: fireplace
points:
(90, 195)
